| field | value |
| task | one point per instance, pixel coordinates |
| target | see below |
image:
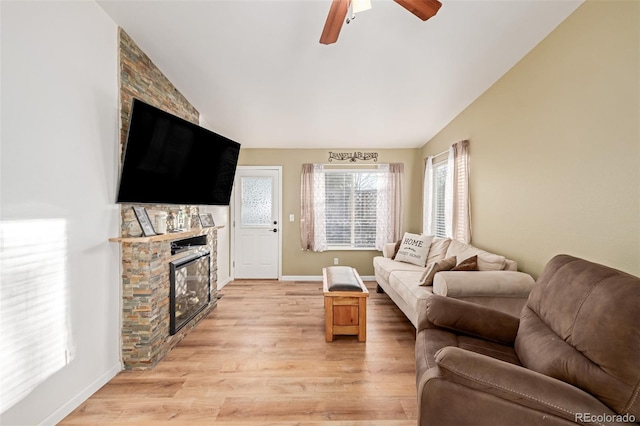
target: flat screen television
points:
(168, 160)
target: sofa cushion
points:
(470, 264)
(432, 269)
(414, 249)
(486, 261)
(383, 266)
(438, 249)
(405, 283)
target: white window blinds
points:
(350, 202)
(439, 221)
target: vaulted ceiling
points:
(257, 73)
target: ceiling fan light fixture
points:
(360, 5)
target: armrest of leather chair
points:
(469, 318)
(460, 284)
(516, 384)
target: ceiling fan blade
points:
(423, 9)
(333, 24)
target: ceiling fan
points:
(423, 9)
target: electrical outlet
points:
(292, 218)
(335, 260)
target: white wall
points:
(221, 218)
(59, 107)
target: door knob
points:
(275, 230)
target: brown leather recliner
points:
(573, 356)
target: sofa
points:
(496, 284)
(572, 356)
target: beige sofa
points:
(497, 284)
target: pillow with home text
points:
(414, 249)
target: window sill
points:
(339, 248)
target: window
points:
(440, 171)
(349, 208)
(350, 203)
(446, 211)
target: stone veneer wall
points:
(145, 263)
(145, 300)
(140, 78)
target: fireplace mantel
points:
(145, 295)
(164, 237)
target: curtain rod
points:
(353, 164)
(442, 153)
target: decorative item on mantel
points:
(161, 222)
(353, 156)
(180, 219)
(195, 219)
(144, 221)
(187, 218)
(171, 222)
(158, 217)
(206, 220)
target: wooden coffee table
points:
(345, 303)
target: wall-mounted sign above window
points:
(353, 156)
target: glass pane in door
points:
(257, 199)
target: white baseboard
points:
(301, 278)
(318, 278)
(221, 284)
(62, 412)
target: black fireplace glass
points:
(190, 290)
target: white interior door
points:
(257, 223)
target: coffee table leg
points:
(328, 319)
(362, 319)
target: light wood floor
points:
(261, 358)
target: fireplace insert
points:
(190, 290)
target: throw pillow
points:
(470, 264)
(433, 268)
(414, 249)
(486, 261)
(438, 250)
(491, 262)
(395, 249)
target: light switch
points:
(292, 217)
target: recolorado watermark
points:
(604, 418)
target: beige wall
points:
(555, 145)
(296, 262)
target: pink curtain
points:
(312, 217)
(461, 202)
(389, 204)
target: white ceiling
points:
(257, 73)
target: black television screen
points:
(168, 160)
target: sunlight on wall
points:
(34, 323)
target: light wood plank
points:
(261, 358)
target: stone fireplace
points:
(147, 333)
